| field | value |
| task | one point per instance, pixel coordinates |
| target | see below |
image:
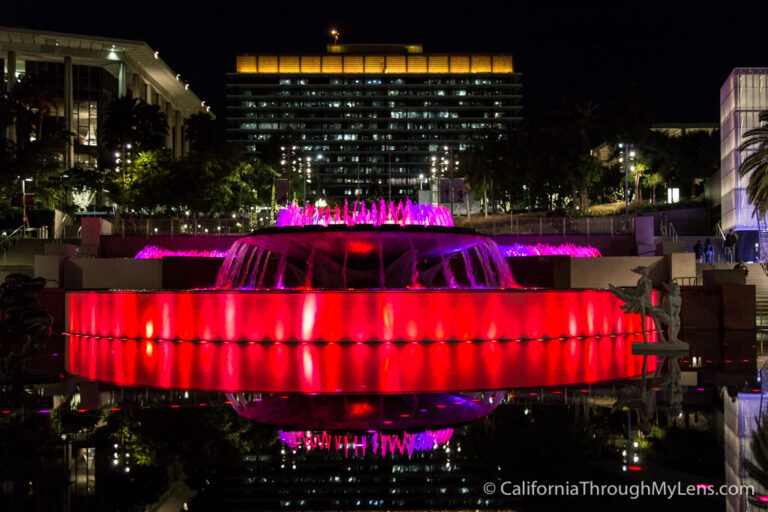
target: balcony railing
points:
(617, 225)
(172, 226)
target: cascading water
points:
(368, 249)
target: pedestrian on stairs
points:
(698, 250)
(741, 266)
(709, 250)
(731, 239)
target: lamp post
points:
(288, 162)
(318, 158)
(434, 183)
(307, 176)
(627, 157)
(449, 165)
(24, 219)
(389, 173)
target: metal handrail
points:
(58, 232)
(688, 280)
(719, 230)
(5, 243)
(672, 232)
(161, 226)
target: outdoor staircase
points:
(18, 256)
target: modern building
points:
(742, 97)
(369, 120)
(86, 73)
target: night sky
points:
(679, 52)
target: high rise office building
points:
(369, 120)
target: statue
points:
(23, 316)
(667, 374)
(669, 312)
(637, 299)
(633, 397)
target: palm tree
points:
(756, 164)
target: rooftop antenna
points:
(335, 35)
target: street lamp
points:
(627, 156)
(434, 183)
(287, 161)
(389, 172)
(307, 176)
(318, 158)
(24, 219)
(448, 159)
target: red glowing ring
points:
(349, 316)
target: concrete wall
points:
(717, 277)
(644, 241)
(92, 230)
(681, 264)
(542, 271)
(616, 270)
(103, 273)
(186, 273)
(687, 221)
(50, 268)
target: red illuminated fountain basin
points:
(388, 341)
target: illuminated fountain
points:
(386, 299)
(394, 247)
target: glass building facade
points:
(742, 97)
(83, 75)
(369, 120)
(93, 88)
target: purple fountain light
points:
(376, 215)
(572, 250)
(153, 252)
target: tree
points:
(684, 161)
(628, 118)
(653, 180)
(201, 132)
(39, 140)
(483, 162)
(756, 164)
(132, 126)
